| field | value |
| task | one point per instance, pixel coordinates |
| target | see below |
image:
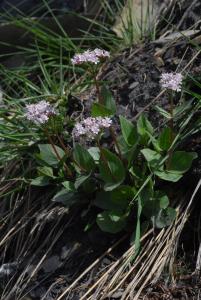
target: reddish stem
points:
(68, 171)
(116, 142)
(171, 124)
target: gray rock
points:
(38, 292)
(8, 269)
(51, 264)
(133, 85)
(118, 294)
(65, 252)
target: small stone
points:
(133, 85)
(51, 264)
(106, 261)
(118, 294)
(38, 292)
(8, 269)
(65, 252)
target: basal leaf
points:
(80, 180)
(48, 154)
(152, 157)
(108, 99)
(99, 110)
(168, 175)
(83, 159)
(40, 181)
(129, 131)
(181, 161)
(95, 153)
(47, 171)
(112, 170)
(66, 197)
(111, 222)
(116, 200)
(165, 217)
(164, 140)
(144, 129)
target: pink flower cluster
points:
(171, 81)
(91, 127)
(39, 113)
(89, 56)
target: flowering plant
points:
(110, 163)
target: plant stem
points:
(171, 114)
(97, 85)
(105, 160)
(68, 171)
(116, 142)
(171, 124)
(67, 151)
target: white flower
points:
(91, 127)
(171, 81)
(101, 53)
(89, 56)
(39, 113)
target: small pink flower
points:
(91, 127)
(101, 53)
(39, 113)
(171, 81)
(104, 122)
(89, 56)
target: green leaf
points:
(129, 131)
(108, 99)
(154, 142)
(80, 180)
(111, 222)
(40, 181)
(164, 140)
(138, 227)
(144, 228)
(47, 171)
(65, 197)
(83, 159)
(163, 201)
(89, 186)
(152, 157)
(181, 161)
(99, 110)
(152, 204)
(163, 112)
(68, 185)
(180, 109)
(168, 175)
(148, 201)
(124, 147)
(144, 129)
(116, 200)
(165, 217)
(95, 153)
(111, 170)
(129, 153)
(48, 155)
(137, 172)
